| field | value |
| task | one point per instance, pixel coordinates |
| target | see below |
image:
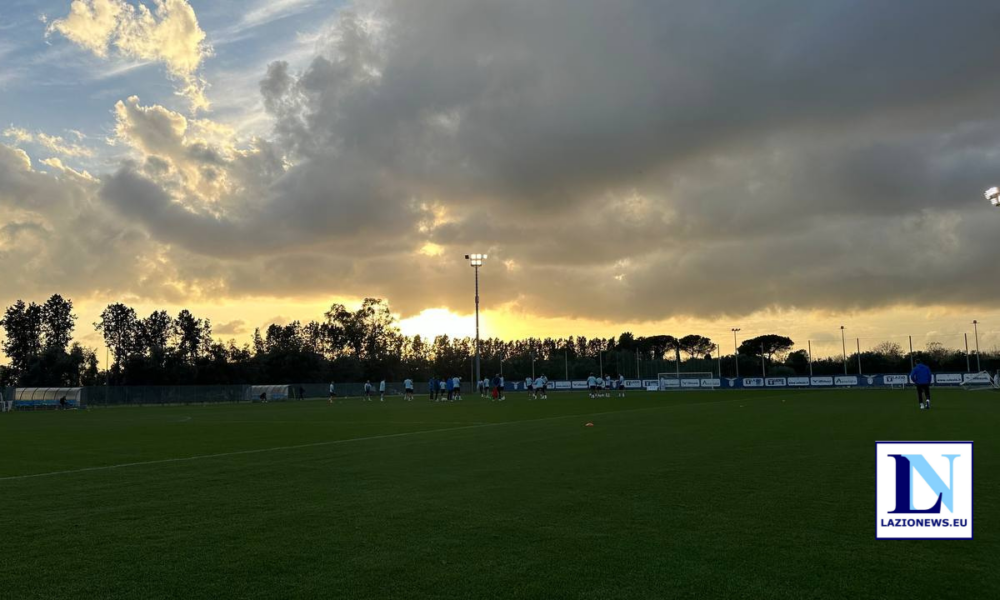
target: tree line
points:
(366, 343)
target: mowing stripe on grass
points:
(370, 438)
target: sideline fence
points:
(103, 396)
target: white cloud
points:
(260, 14)
(58, 165)
(53, 143)
(169, 34)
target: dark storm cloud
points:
(618, 160)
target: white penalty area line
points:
(387, 436)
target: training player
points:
(408, 390)
(502, 390)
(381, 390)
(607, 385)
(921, 377)
(458, 388)
(332, 393)
(592, 385)
(621, 385)
(368, 391)
(529, 387)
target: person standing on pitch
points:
(408, 390)
(381, 390)
(368, 391)
(332, 393)
(529, 386)
(621, 385)
(921, 377)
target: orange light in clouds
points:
(433, 322)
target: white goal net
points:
(688, 381)
(981, 381)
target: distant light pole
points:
(859, 355)
(975, 324)
(476, 261)
(763, 361)
(843, 344)
(810, 358)
(993, 195)
(533, 359)
(736, 353)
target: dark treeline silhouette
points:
(354, 345)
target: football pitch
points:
(725, 494)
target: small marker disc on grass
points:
(590, 425)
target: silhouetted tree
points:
(770, 345)
(23, 324)
(57, 323)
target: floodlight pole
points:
(979, 366)
(911, 351)
(763, 361)
(968, 365)
(736, 352)
(843, 345)
(476, 260)
(859, 355)
(810, 358)
(478, 373)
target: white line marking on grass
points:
(163, 461)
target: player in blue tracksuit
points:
(432, 386)
(496, 387)
(921, 377)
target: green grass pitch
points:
(731, 494)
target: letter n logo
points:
(906, 466)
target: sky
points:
(655, 167)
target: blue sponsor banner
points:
(840, 381)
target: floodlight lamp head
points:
(993, 195)
(475, 260)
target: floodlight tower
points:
(736, 356)
(476, 261)
(975, 323)
(843, 345)
(993, 195)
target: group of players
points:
(601, 388)
(449, 389)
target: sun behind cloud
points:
(433, 322)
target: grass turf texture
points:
(706, 494)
